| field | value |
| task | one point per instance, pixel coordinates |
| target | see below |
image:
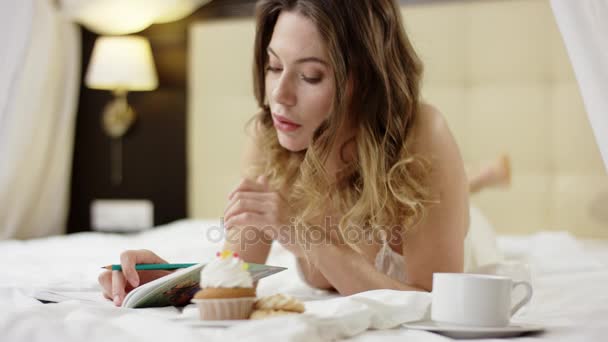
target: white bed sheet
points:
(570, 296)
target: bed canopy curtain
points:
(40, 68)
(584, 28)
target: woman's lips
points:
(283, 124)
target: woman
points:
(362, 182)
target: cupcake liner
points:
(225, 308)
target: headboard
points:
(498, 71)
(220, 101)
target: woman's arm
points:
(435, 244)
(350, 272)
(312, 276)
(249, 242)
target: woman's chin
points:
(291, 144)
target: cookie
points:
(262, 314)
(279, 302)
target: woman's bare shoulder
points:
(431, 131)
(433, 140)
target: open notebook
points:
(175, 289)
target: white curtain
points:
(40, 68)
(584, 28)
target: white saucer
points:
(459, 331)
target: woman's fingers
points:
(127, 262)
(258, 221)
(247, 195)
(263, 182)
(105, 280)
(244, 219)
(245, 206)
(118, 287)
(129, 259)
(116, 284)
(248, 185)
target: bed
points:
(569, 276)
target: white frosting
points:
(225, 272)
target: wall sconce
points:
(120, 64)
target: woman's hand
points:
(252, 205)
(116, 284)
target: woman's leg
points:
(493, 174)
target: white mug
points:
(475, 299)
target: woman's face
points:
(299, 80)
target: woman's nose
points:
(284, 93)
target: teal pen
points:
(143, 267)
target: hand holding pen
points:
(117, 283)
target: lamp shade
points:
(122, 63)
(114, 17)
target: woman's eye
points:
(311, 80)
(273, 69)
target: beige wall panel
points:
(509, 41)
(560, 62)
(523, 208)
(580, 204)
(220, 103)
(575, 150)
(439, 34)
(513, 119)
(221, 52)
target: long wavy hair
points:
(384, 185)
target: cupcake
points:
(227, 290)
